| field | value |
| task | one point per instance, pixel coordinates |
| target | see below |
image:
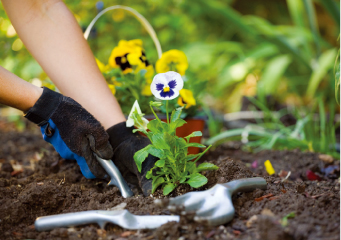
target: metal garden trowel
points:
(214, 205)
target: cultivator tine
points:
(115, 176)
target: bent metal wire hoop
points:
(138, 16)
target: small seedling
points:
(175, 166)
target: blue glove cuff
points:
(63, 150)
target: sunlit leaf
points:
(197, 180)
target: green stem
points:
(202, 153)
(167, 111)
(151, 107)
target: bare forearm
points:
(16, 92)
(52, 35)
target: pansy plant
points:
(129, 74)
(175, 166)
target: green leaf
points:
(180, 142)
(206, 166)
(181, 155)
(169, 139)
(164, 126)
(156, 152)
(149, 174)
(157, 182)
(337, 78)
(183, 179)
(190, 157)
(160, 163)
(235, 132)
(195, 145)
(176, 114)
(191, 167)
(197, 180)
(174, 125)
(155, 126)
(159, 141)
(140, 156)
(194, 134)
(325, 63)
(272, 74)
(168, 188)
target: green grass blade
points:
(298, 16)
(296, 10)
(322, 114)
(325, 63)
(237, 132)
(267, 32)
(337, 77)
(223, 135)
(272, 74)
(229, 14)
(331, 128)
(309, 7)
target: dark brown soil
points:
(35, 181)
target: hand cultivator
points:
(213, 206)
(115, 176)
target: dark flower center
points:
(123, 62)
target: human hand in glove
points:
(125, 143)
(73, 131)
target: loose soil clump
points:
(35, 181)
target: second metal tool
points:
(214, 206)
(115, 176)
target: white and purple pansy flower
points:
(166, 86)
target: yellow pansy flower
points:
(120, 55)
(186, 97)
(112, 88)
(172, 60)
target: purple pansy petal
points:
(172, 84)
(167, 94)
(159, 86)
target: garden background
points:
(265, 73)
(283, 53)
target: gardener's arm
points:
(52, 35)
(16, 92)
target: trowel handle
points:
(246, 184)
(122, 218)
(69, 220)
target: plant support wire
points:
(138, 16)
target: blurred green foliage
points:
(311, 132)
(243, 48)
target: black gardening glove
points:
(125, 143)
(73, 131)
